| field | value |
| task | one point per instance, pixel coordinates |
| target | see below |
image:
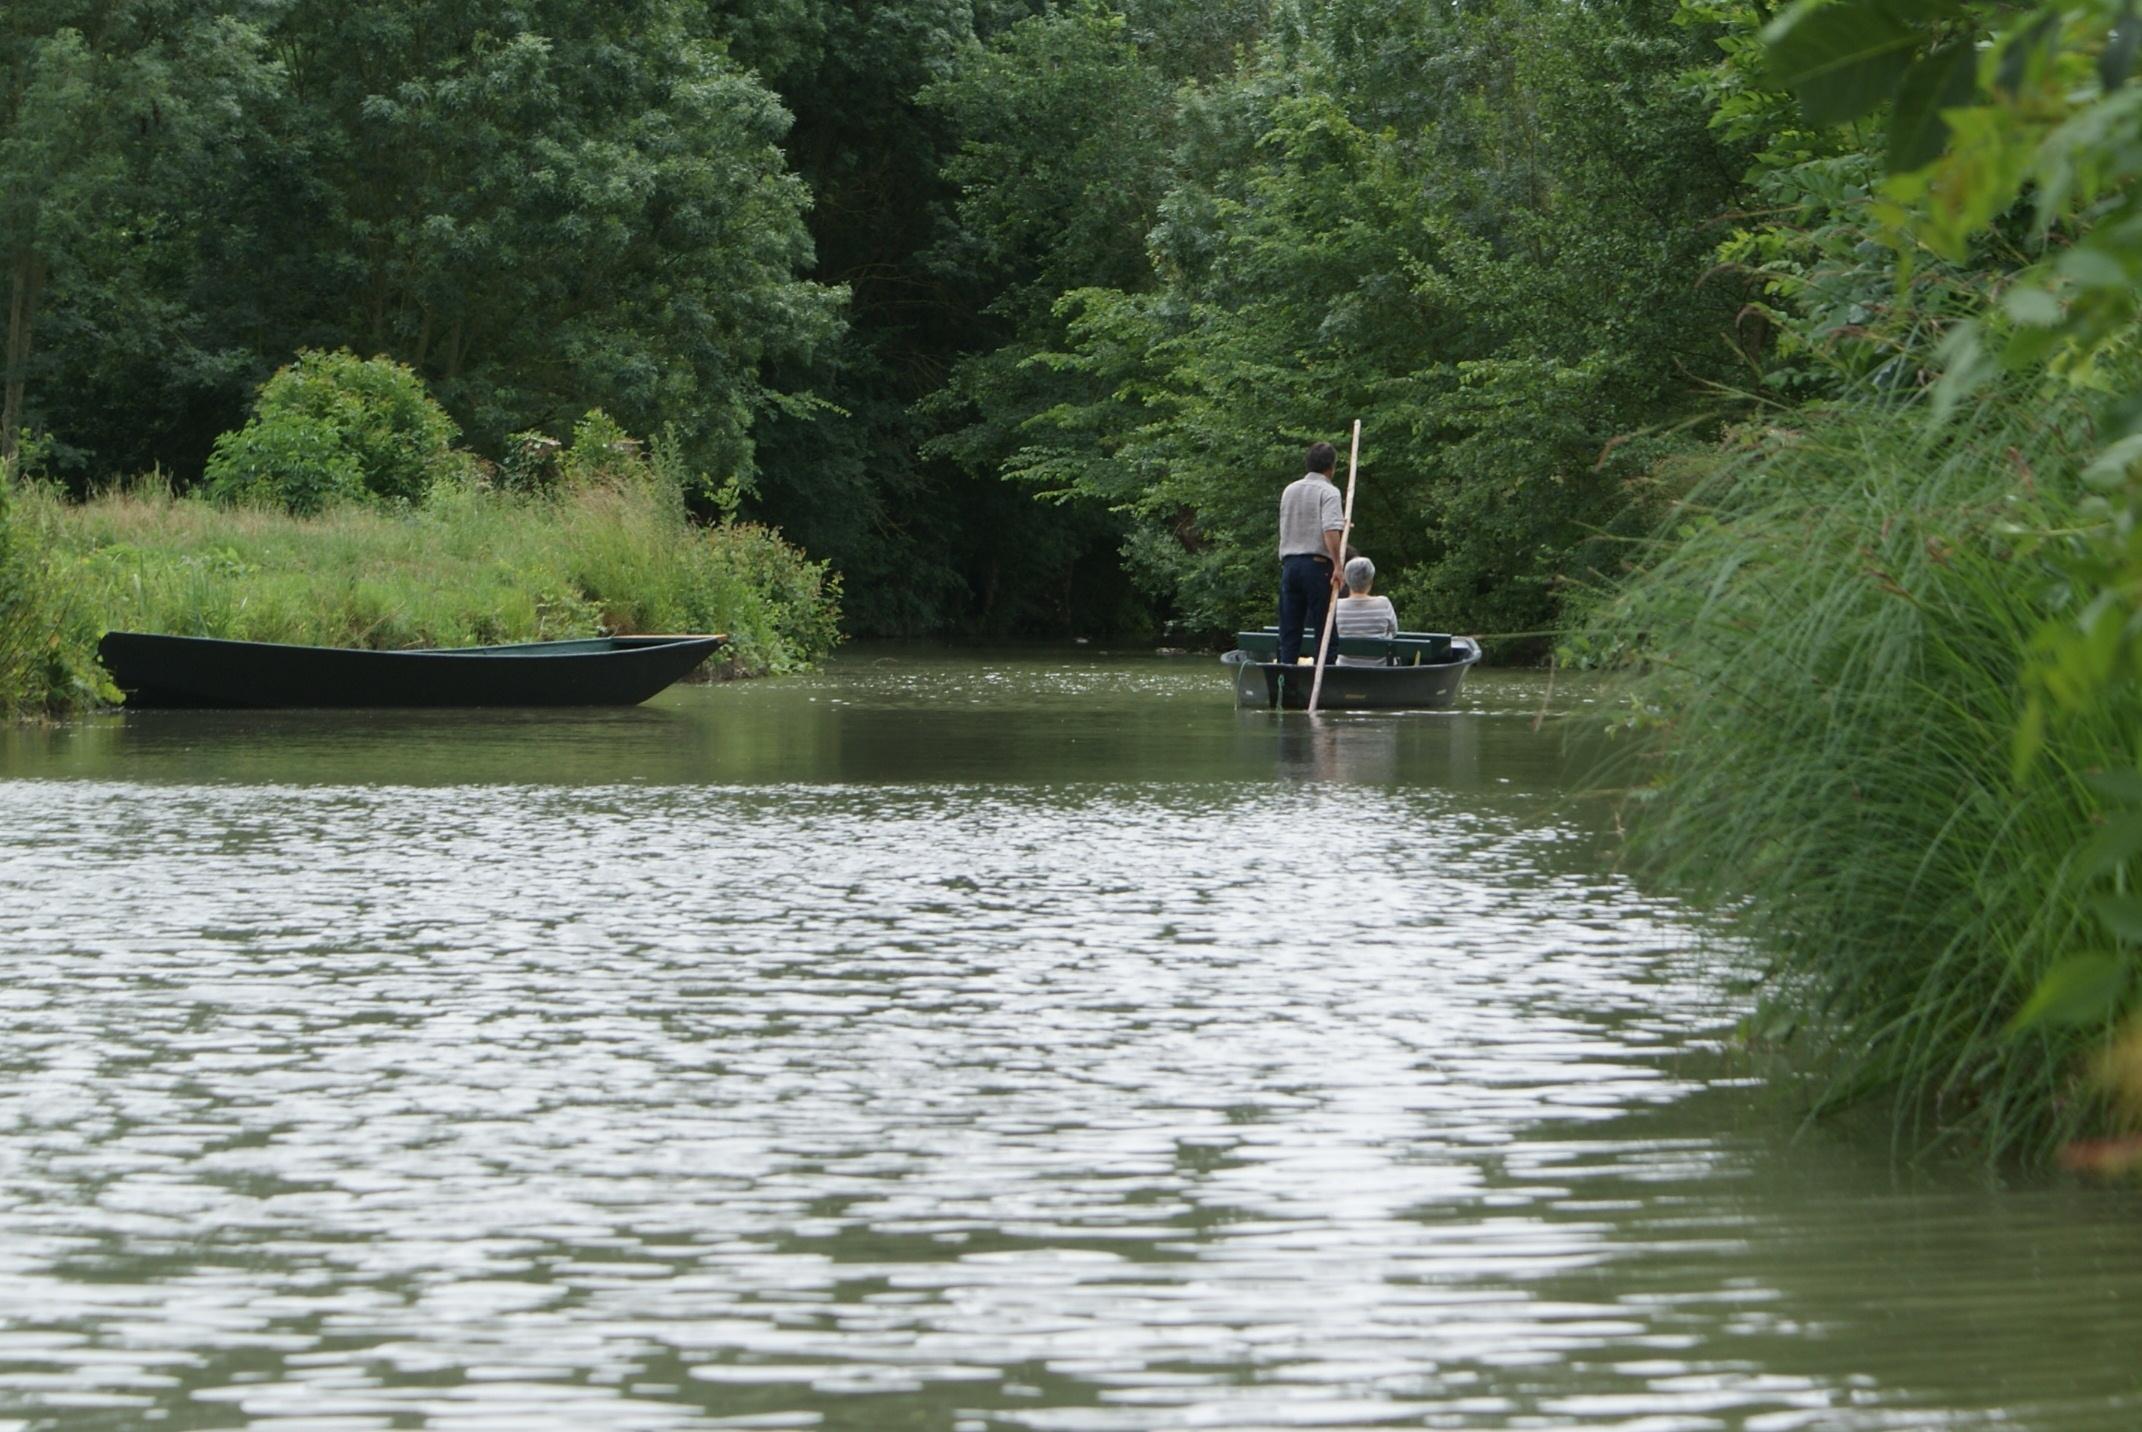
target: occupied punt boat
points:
(1417, 671)
(203, 671)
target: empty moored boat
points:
(1413, 671)
(208, 672)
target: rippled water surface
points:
(939, 1042)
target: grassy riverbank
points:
(469, 565)
(1827, 656)
(47, 638)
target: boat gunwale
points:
(1352, 668)
(588, 646)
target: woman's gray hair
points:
(1360, 574)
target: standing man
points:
(1311, 523)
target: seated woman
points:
(1361, 614)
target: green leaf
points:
(1841, 57)
(1942, 80)
(2109, 468)
(2015, 59)
(2121, 915)
(1966, 366)
(2118, 841)
(2118, 59)
(2028, 740)
(2032, 306)
(2122, 786)
(2092, 267)
(2028, 345)
(2081, 989)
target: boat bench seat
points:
(1407, 649)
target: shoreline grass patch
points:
(469, 566)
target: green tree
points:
(850, 483)
(106, 107)
(539, 207)
(1416, 215)
(1064, 131)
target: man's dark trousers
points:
(1304, 597)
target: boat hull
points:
(179, 671)
(1268, 685)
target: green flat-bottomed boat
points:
(153, 670)
(1413, 671)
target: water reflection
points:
(1370, 748)
(876, 715)
(588, 1094)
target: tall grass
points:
(469, 566)
(46, 665)
(1822, 660)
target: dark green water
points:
(953, 1042)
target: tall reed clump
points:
(1823, 664)
(48, 662)
(471, 564)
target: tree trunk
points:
(23, 277)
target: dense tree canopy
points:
(1019, 311)
(113, 117)
(1479, 231)
(538, 208)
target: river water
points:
(962, 1042)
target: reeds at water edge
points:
(1822, 663)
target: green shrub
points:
(602, 452)
(332, 426)
(647, 567)
(1825, 662)
(531, 462)
(293, 461)
(798, 600)
(48, 661)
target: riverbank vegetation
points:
(341, 514)
(1834, 639)
(469, 565)
(47, 635)
(1883, 705)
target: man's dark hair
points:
(1323, 457)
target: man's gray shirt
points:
(1308, 509)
